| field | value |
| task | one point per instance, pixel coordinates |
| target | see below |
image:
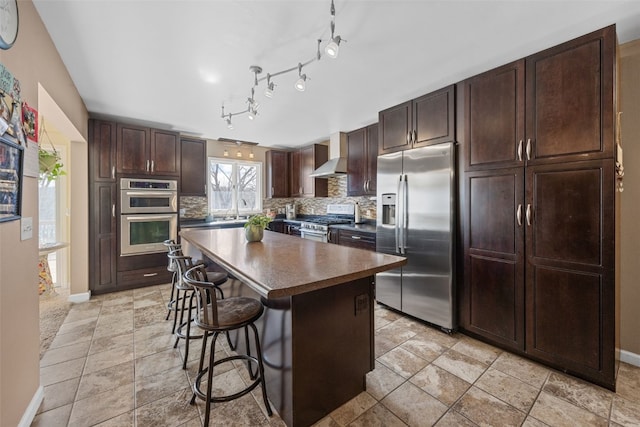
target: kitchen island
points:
(317, 332)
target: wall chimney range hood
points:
(337, 164)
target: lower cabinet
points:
(277, 226)
(353, 238)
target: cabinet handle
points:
(519, 215)
(113, 210)
(146, 166)
(153, 165)
(520, 151)
(409, 137)
(528, 149)
(415, 136)
(528, 214)
(329, 236)
(273, 190)
(113, 172)
(150, 274)
(356, 237)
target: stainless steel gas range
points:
(317, 229)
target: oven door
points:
(148, 201)
(145, 234)
(315, 235)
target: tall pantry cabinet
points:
(539, 206)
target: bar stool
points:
(184, 292)
(176, 249)
(215, 316)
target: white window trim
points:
(234, 210)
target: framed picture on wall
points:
(11, 162)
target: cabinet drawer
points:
(357, 239)
(143, 277)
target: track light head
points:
(301, 83)
(333, 47)
(229, 124)
(268, 91)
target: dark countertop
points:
(309, 265)
(366, 227)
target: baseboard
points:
(630, 358)
(83, 297)
(32, 409)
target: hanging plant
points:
(50, 165)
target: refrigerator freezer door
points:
(427, 279)
(388, 284)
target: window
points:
(235, 187)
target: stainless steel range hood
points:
(337, 164)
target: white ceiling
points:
(173, 63)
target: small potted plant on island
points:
(254, 227)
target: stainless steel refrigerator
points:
(415, 219)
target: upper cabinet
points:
(144, 151)
(102, 150)
(427, 120)
(193, 168)
(277, 173)
(303, 162)
(362, 160)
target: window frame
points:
(234, 209)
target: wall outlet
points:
(26, 228)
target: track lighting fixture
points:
(301, 83)
(226, 153)
(331, 50)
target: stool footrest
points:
(227, 398)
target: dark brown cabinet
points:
(102, 206)
(427, 120)
(193, 167)
(362, 160)
(144, 151)
(303, 162)
(354, 238)
(277, 173)
(539, 209)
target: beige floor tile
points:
(75, 315)
(162, 328)
(79, 326)
(63, 354)
(440, 384)
(484, 409)
(403, 362)
(105, 379)
(523, 369)
(485, 353)
(625, 412)
(378, 416)
(111, 342)
(109, 330)
(59, 394)
(461, 365)
(148, 315)
(437, 336)
(628, 383)
(353, 409)
(558, 412)
(508, 389)
(115, 318)
(241, 412)
(413, 406)
(106, 359)
(157, 386)
(125, 307)
(424, 347)
(382, 381)
(102, 406)
(125, 420)
(454, 419)
(395, 333)
(585, 395)
(326, 422)
(532, 422)
(71, 338)
(157, 362)
(148, 300)
(61, 371)
(171, 410)
(58, 417)
(163, 342)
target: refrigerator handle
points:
(398, 248)
(405, 213)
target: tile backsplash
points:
(196, 207)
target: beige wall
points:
(630, 203)
(33, 60)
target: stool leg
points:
(210, 379)
(182, 308)
(249, 367)
(173, 289)
(188, 334)
(261, 370)
(203, 351)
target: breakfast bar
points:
(317, 332)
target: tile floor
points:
(112, 364)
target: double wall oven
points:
(148, 215)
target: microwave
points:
(148, 196)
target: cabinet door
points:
(277, 173)
(102, 150)
(372, 160)
(103, 229)
(395, 127)
(434, 117)
(357, 162)
(570, 259)
(164, 153)
(133, 149)
(311, 158)
(493, 293)
(357, 239)
(296, 166)
(494, 118)
(570, 90)
(193, 168)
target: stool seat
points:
(234, 312)
(216, 277)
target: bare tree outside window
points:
(234, 187)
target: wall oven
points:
(148, 215)
(148, 196)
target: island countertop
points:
(282, 265)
